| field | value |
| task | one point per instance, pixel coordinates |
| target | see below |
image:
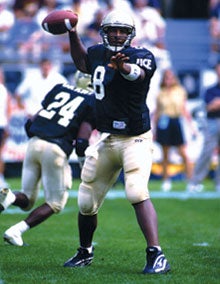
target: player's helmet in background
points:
(83, 81)
(120, 20)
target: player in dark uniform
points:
(121, 77)
(65, 121)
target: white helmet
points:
(83, 81)
(121, 20)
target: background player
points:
(66, 117)
(121, 77)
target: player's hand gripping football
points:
(60, 21)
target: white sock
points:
(22, 226)
(89, 249)
(158, 247)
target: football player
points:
(121, 76)
(65, 121)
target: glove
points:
(81, 145)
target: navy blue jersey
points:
(64, 108)
(120, 104)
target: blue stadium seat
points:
(188, 42)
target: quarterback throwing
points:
(121, 76)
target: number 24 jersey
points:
(64, 108)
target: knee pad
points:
(58, 206)
(136, 188)
(86, 200)
(89, 170)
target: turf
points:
(189, 231)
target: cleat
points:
(3, 195)
(13, 237)
(6, 198)
(156, 262)
(80, 259)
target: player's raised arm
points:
(78, 50)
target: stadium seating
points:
(189, 43)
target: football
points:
(59, 21)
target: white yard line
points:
(119, 194)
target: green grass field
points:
(189, 230)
